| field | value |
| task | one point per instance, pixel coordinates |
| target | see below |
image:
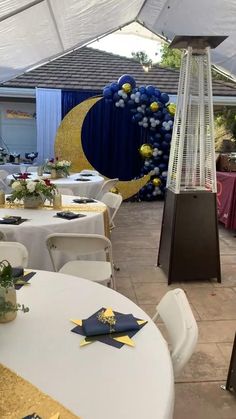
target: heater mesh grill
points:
(192, 157)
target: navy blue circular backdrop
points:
(111, 141)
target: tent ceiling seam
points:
(21, 9)
(55, 23)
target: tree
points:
(142, 58)
(170, 57)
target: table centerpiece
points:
(58, 168)
(32, 192)
(8, 304)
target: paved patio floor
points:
(135, 243)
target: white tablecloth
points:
(89, 187)
(97, 381)
(13, 168)
(42, 222)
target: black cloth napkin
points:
(108, 338)
(124, 323)
(83, 200)
(68, 215)
(32, 416)
(86, 174)
(24, 278)
(82, 180)
(13, 220)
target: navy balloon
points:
(114, 87)
(131, 103)
(107, 92)
(116, 97)
(142, 89)
(167, 137)
(126, 78)
(150, 90)
(157, 93)
(164, 98)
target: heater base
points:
(189, 243)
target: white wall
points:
(19, 134)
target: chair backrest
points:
(107, 185)
(3, 174)
(88, 171)
(176, 313)
(65, 191)
(2, 236)
(76, 246)
(16, 253)
(113, 202)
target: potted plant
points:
(32, 192)
(58, 168)
(8, 304)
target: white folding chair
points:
(16, 253)
(31, 169)
(175, 311)
(76, 246)
(3, 184)
(106, 187)
(113, 202)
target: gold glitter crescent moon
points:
(68, 146)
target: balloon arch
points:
(151, 110)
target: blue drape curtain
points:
(109, 139)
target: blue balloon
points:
(158, 136)
(150, 187)
(142, 89)
(144, 98)
(150, 90)
(157, 93)
(165, 145)
(116, 97)
(167, 137)
(151, 139)
(156, 145)
(165, 111)
(158, 114)
(163, 167)
(114, 87)
(165, 158)
(138, 116)
(126, 78)
(107, 92)
(131, 103)
(164, 98)
(167, 117)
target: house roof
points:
(91, 69)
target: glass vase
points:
(7, 296)
(33, 202)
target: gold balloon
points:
(114, 190)
(146, 150)
(156, 181)
(171, 108)
(126, 87)
(154, 106)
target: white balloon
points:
(138, 93)
(145, 119)
(120, 92)
(154, 193)
(143, 106)
(153, 124)
(157, 121)
(160, 153)
(136, 99)
(139, 109)
(132, 96)
(117, 104)
(124, 95)
(145, 124)
(164, 174)
(155, 153)
(157, 170)
(121, 101)
(140, 123)
(122, 105)
(152, 119)
(147, 163)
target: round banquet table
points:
(41, 222)
(96, 381)
(89, 186)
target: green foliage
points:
(170, 57)
(7, 281)
(142, 58)
(227, 118)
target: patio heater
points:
(189, 243)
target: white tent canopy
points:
(33, 32)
